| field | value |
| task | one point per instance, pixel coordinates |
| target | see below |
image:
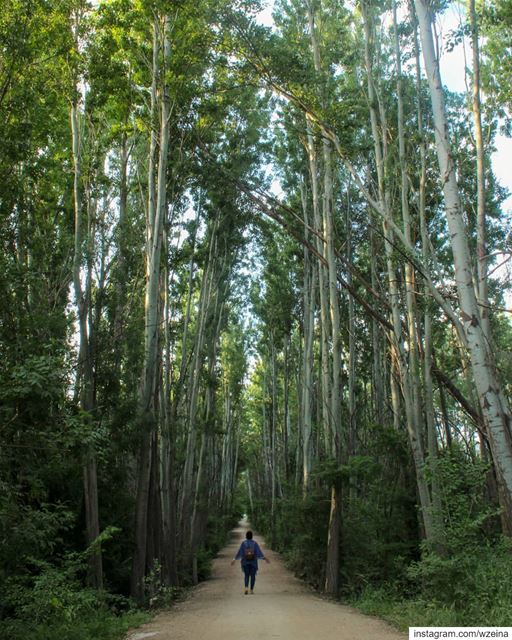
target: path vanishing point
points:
(282, 608)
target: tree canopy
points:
(251, 270)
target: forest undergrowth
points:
(386, 569)
(46, 599)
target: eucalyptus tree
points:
(270, 461)
(156, 214)
(493, 403)
(189, 109)
(133, 173)
(407, 364)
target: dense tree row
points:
(122, 347)
(174, 336)
(397, 371)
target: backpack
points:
(250, 553)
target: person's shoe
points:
(246, 592)
(252, 592)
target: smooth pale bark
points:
(411, 415)
(153, 138)
(413, 337)
(121, 275)
(193, 386)
(227, 445)
(334, 302)
(323, 291)
(352, 424)
(179, 397)
(432, 445)
(481, 250)
(167, 454)
(446, 420)
(394, 383)
(309, 296)
(494, 405)
(155, 229)
(331, 322)
(149, 378)
(333, 542)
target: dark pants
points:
(249, 572)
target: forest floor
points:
(281, 607)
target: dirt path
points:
(281, 607)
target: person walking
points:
(248, 554)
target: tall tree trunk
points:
(120, 285)
(205, 301)
(432, 445)
(413, 337)
(333, 542)
(413, 426)
(286, 412)
(481, 250)
(494, 405)
(331, 322)
(167, 455)
(179, 397)
(149, 378)
(352, 425)
(200, 497)
(309, 296)
(377, 369)
(85, 374)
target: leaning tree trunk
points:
(494, 405)
(205, 301)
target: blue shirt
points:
(257, 553)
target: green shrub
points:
(48, 600)
(96, 625)
(54, 604)
(468, 589)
